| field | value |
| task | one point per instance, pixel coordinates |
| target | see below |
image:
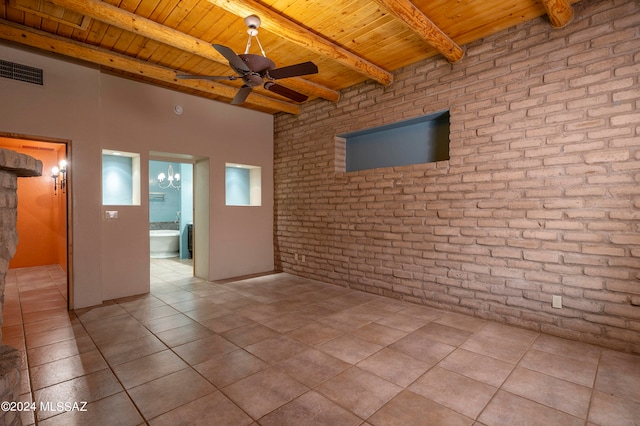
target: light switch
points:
(111, 214)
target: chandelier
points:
(170, 180)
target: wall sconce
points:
(59, 175)
(170, 178)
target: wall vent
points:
(21, 72)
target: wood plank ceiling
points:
(350, 40)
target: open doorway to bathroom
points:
(40, 269)
(171, 210)
(178, 216)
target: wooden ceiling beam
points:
(282, 27)
(66, 47)
(560, 12)
(413, 17)
(133, 23)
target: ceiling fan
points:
(255, 70)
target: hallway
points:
(284, 350)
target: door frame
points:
(68, 199)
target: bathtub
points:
(164, 243)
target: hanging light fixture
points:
(170, 180)
(59, 175)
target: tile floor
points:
(283, 350)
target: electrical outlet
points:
(556, 302)
(295, 256)
(303, 258)
(111, 214)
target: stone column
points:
(12, 166)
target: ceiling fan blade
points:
(206, 77)
(286, 92)
(304, 68)
(242, 95)
(235, 61)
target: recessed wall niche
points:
(243, 185)
(120, 178)
(419, 140)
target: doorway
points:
(43, 223)
(178, 212)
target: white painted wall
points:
(100, 111)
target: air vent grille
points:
(21, 72)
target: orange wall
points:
(41, 220)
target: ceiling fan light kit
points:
(255, 70)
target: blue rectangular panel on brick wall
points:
(419, 140)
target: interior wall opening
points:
(42, 261)
(175, 226)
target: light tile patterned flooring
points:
(283, 350)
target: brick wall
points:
(541, 195)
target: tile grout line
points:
(515, 365)
(110, 367)
(593, 388)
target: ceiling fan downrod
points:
(253, 23)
